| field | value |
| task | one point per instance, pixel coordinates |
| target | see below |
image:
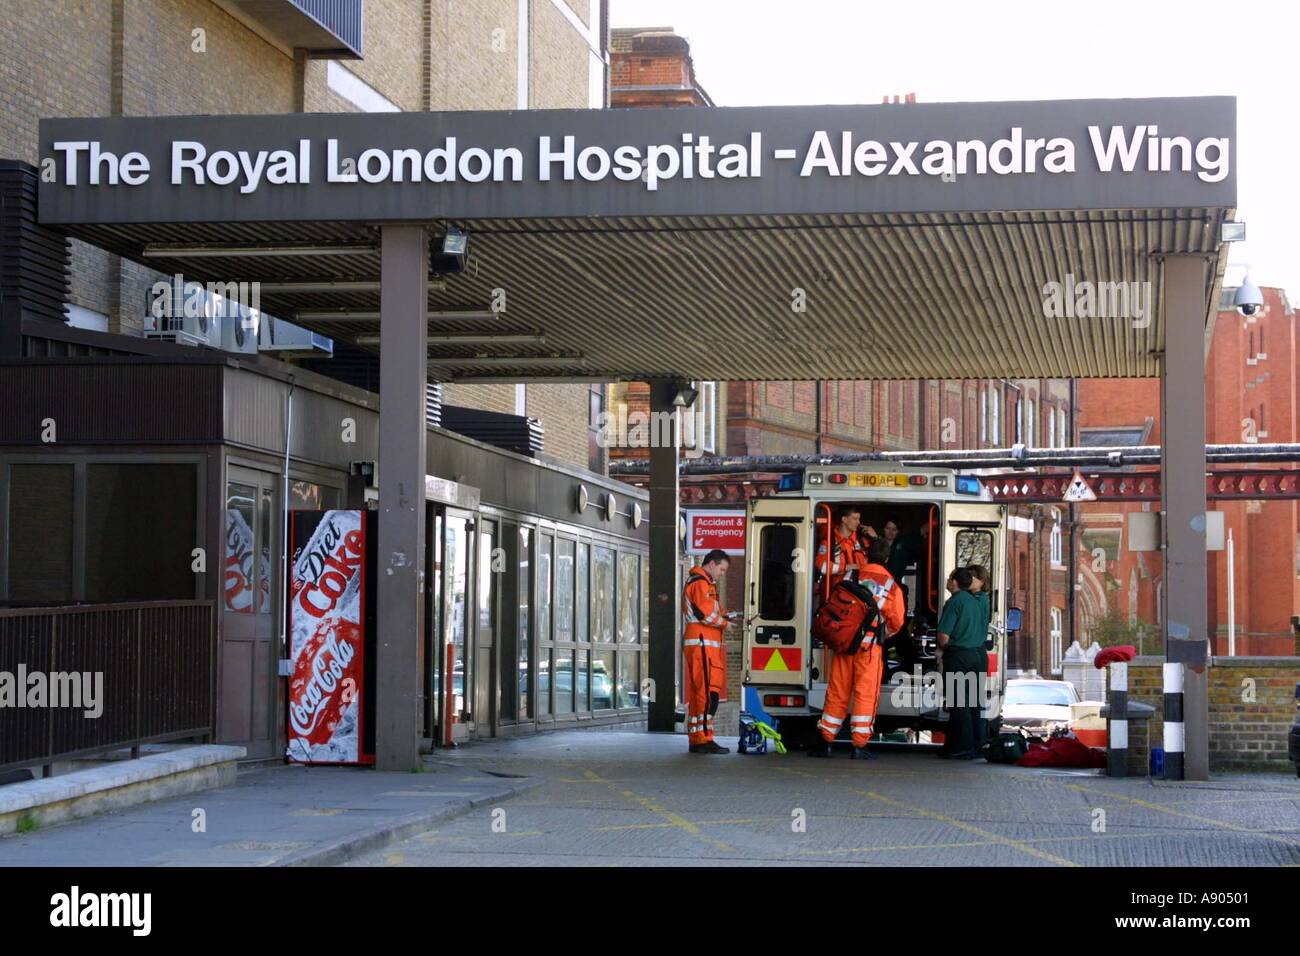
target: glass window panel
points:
(507, 662)
(776, 581)
(563, 680)
(564, 556)
(486, 543)
(629, 599)
(583, 654)
(141, 529)
(40, 534)
(602, 680)
(581, 592)
(239, 576)
(457, 608)
(525, 587)
(644, 700)
(627, 690)
(545, 548)
(645, 599)
(602, 596)
(305, 496)
(265, 512)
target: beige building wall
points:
(169, 57)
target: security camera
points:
(1248, 299)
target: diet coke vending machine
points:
(332, 637)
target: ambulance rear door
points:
(778, 589)
(977, 534)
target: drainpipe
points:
(284, 516)
(1071, 572)
(817, 408)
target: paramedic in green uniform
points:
(979, 586)
(963, 628)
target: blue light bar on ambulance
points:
(791, 482)
(968, 485)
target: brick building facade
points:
(1252, 389)
(174, 57)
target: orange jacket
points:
(889, 596)
(702, 608)
(847, 553)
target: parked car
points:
(1037, 706)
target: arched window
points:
(1057, 556)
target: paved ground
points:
(275, 816)
(640, 799)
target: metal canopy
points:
(790, 273)
(925, 296)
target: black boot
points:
(820, 749)
(862, 753)
(709, 748)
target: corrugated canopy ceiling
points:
(953, 295)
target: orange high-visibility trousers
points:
(705, 671)
(857, 677)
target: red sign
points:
(724, 530)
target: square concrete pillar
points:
(665, 586)
(403, 373)
(1182, 476)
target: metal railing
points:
(91, 678)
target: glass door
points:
(448, 610)
(484, 670)
(250, 599)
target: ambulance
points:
(945, 520)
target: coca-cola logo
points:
(239, 560)
(313, 693)
(327, 575)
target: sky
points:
(776, 52)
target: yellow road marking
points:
(394, 859)
(971, 828)
(947, 846)
(675, 819)
(1179, 813)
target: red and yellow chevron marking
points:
(776, 659)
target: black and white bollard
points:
(1174, 738)
(1117, 725)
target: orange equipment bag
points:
(848, 615)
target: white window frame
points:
(357, 91)
(995, 430)
(704, 426)
(1056, 639)
(984, 414)
(1056, 539)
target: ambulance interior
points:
(917, 556)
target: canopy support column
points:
(1182, 473)
(665, 588)
(403, 375)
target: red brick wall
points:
(1266, 533)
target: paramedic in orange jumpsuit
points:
(703, 651)
(855, 678)
(846, 551)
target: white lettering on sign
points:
(723, 530)
(838, 153)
